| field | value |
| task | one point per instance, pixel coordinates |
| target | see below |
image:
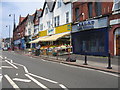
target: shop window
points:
(76, 14)
(98, 8)
(67, 17)
(90, 9)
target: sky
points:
(17, 7)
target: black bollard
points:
(109, 62)
(57, 54)
(85, 60)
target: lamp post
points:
(13, 28)
(9, 35)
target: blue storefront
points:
(91, 37)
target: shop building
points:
(35, 35)
(90, 28)
(55, 25)
(114, 33)
(29, 29)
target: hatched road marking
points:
(38, 83)
(21, 80)
(11, 64)
(11, 82)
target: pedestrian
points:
(38, 49)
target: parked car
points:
(5, 48)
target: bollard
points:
(109, 62)
(85, 60)
(57, 54)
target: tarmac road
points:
(19, 71)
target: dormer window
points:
(59, 4)
(116, 5)
(46, 10)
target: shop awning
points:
(50, 38)
(39, 39)
(56, 36)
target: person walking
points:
(38, 50)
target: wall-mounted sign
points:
(50, 31)
(90, 24)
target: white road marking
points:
(21, 80)
(62, 86)
(1, 57)
(91, 70)
(1, 78)
(38, 83)
(11, 82)
(116, 75)
(11, 64)
(43, 78)
(26, 71)
(6, 67)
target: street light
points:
(9, 35)
(13, 28)
(13, 20)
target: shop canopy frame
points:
(50, 38)
(38, 39)
(56, 36)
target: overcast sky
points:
(17, 7)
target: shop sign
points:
(16, 42)
(115, 21)
(50, 31)
(92, 24)
(86, 25)
(63, 28)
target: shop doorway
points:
(117, 42)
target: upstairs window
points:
(46, 10)
(90, 9)
(57, 21)
(48, 24)
(98, 8)
(41, 27)
(59, 4)
(116, 5)
(76, 14)
(67, 17)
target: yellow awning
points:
(50, 38)
(55, 37)
(39, 39)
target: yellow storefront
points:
(54, 39)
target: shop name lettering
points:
(49, 31)
(86, 25)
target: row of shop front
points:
(87, 37)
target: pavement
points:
(93, 62)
